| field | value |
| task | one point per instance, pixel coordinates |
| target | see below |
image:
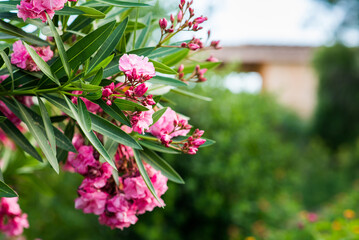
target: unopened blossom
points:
(212, 59)
(163, 23)
(140, 90)
(38, 8)
(22, 59)
(136, 67)
(12, 220)
(142, 120)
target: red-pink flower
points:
(22, 59)
(136, 67)
(82, 160)
(38, 8)
(12, 220)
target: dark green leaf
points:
(6, 191)
(142, 170)
(157, 147)
(142, 51)
(6, 59)
(9, 5)
(98, 78)
(84, 114)
(39, 136)
(85, 86)
(157, 115)
(144, 33)
(176, 57)
(114, 112)
(48, 125)
(126, 105)
(69, 11)
(109, 46)
(123, 3)
(208, 143)
(90, 12)
(2, 119)
(160, 164)
(14, 133)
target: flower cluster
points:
(116, 205)
(22, 59)
(196, 76)
(38, 8)
(12, 220)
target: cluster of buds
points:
(179, 22)
(215, 45)
(197, 75)
(193, 142)
(193, 45)
(179, 125)
(137, 93)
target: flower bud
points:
(183, 44)
(163, 23)
(141, 90)
(180, 16)
(172, 18)
(200, 19)
(199, 142)
(106, 92)
(180, 68)
(193, 46)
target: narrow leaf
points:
(41, 64)
(60, 47)
(114, 112)
(6, 191)
(146, 179)
(157, 147)
(190, 94)
(157, 115)
(160, 164)
(8, 66)
(176, 57)
(84, 114)
(48, 125)
(162, 68)
(122, 3)
(90, 12)
(98, 78)
(167, 81)
(39, 137)
(126, 105)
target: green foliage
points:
(337, 113)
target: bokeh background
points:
(285, 118)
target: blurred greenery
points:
(264, 171)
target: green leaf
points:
(176, 57)
(41, 64)
(90, 135)
(109, 45)
(39, 136)
(84, 114)
(142, 51)
(6, 6)
(158, 147)
(122, 3)
(99, 124)
(157, 115)
(85, 86)
(102, 64)
(114, 112)
(14, 133)
(15, 31)
(6, 51)
(2, 119)
(208, 65)
(83, 49)
(61, 140)
(162, 68)
(6, 191)
(167, 81)
(131, 26)
(160, 164)
(98, 78)
(90, 12)
(6, 59)
(69, 11)
(144, 33)
(190, 94)
(69, 133)
(60, 47)
(48, 125)
(146, 179)
(208, 143)
(126, 105)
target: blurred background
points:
(285, 118)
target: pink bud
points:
(149, 100)
(172, 18)
(183, 44)
(183, 2)
(108, 102)
(198, 133)
(191, 12)
(192, 150)
(180, 16)
(197, 68)
(193, 46)
(212, 59)
(202, 71)
(180, 68)
(141, 90)
(163, 23)
(166, 139)
(106, 92)
(199, 142)
(180, 6)
(200, 20)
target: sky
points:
(271, 22)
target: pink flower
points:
(135, 187)
(10, 115)
(3, 77)
(37, 8)
(91, 200)
(82, 160)
(120, 213)
(142, 120)
(166, 125)
(12, 221)
(22, 59)
(136, 67)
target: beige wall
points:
(294, 85)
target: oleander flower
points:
(136, 67)
(22, 59)
(37, 8)
(12, 220)
(142, 120)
